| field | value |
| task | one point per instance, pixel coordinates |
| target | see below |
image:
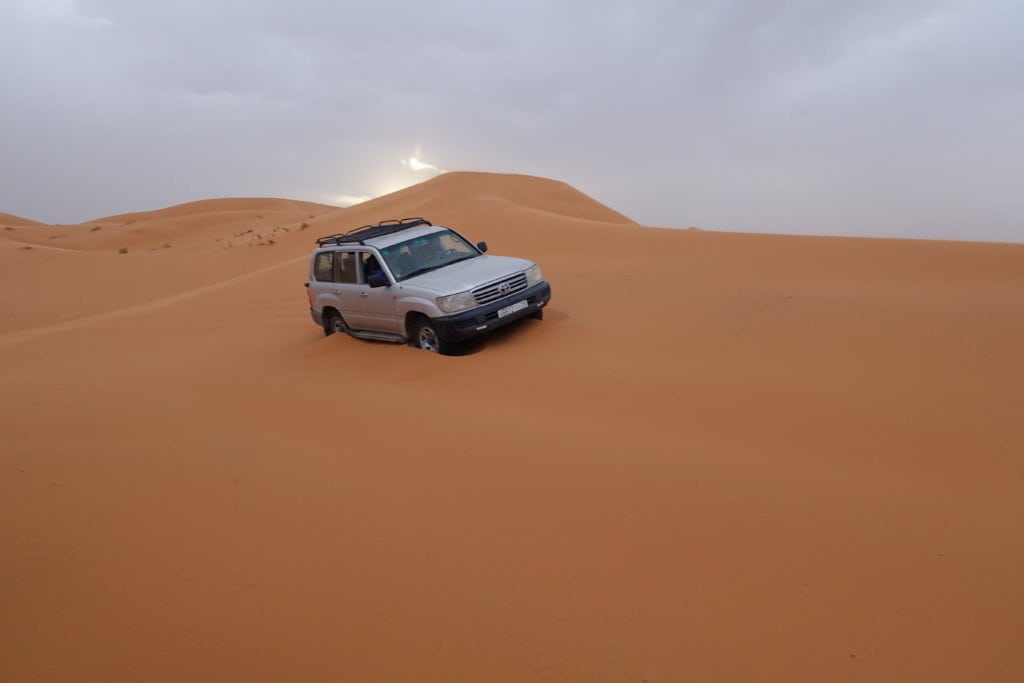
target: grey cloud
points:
(890, 118)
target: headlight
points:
(533, 275)
(456, 302)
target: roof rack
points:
(365, 232)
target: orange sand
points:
(721, 457)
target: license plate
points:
(509, 310)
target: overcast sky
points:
(869, 117)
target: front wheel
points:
(425, 336)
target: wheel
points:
(426, 337)
(333, 324)
(538, 314)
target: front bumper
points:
(482, 319)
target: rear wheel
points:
(334, 324)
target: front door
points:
(376, 304)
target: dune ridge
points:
(721, 456)
(9, 219)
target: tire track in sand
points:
(20, 336)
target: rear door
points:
(347, 289)
(322, 289)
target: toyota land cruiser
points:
(410, 281)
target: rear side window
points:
(345, 267)
(323, 266)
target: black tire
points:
(425, 336)
(334, 323)
(538, 314)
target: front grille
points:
(500, 289)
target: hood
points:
(468, 274)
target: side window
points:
(345, 267)
(323, 266)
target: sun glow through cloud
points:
(417, 165)
(415, 168)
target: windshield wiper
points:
(420, 271)
(427, 269)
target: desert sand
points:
(720, 457)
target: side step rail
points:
(378, 336)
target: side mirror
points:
(377, 281)
(482, 246)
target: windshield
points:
(424, 254)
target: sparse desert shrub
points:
(7, 227)
(25, 248)
(165, 245)
(122, 250)
(95, 228)
(304, 225)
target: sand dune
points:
(101, 265)
(721, 457)
(10, 220)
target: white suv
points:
(410, 281)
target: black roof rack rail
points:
(365, 232)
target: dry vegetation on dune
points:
(720, 457)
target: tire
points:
(333, 324)
(425, 336)
(538, 314)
